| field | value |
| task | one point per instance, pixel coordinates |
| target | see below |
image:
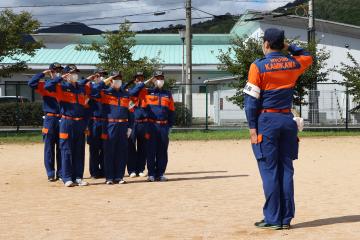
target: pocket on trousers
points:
(257, 149)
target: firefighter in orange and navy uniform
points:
(268, 101)
(160, 112)
(95, 125)
(137, 142)
(117, 127)
(51, 121)
(72, 96)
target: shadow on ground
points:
(328, 221)
(185, 179)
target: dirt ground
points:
(214, 192)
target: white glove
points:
(128, 132)
(300, 123)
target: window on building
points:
(19, 88)
(202, 89)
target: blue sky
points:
(113, 11)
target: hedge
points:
(22, 114)
(30, 114)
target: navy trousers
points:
(157, 137)
(137, 149)
(276, 149)
(96, 160)
(115, 150)
(51, 146)
(72, 147)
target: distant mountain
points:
(220, 24)
(344, 11)
(72, 27)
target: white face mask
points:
(117, 83)
(159, 83)
(74, 77)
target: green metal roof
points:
(242, 28)
(168, 54)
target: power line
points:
(256, 1)
(122, 16)
(133, 22)
(77, 12)
(204, 12)
(67, 4)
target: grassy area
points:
(35, 137)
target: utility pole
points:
(314, 93)
(188, 89)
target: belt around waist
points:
(53, 115)
(141, 120)
(272, 110)
(145, 120)
(97, 119)
(72, 118)
(161, 122)
(117, 120)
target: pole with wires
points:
(188, 90)
(313, 93)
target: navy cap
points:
(115, 73)
(101, 70)
(274, 36)
(158, 73)
(55, 65)
(71, 68)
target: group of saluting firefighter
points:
(125, 124)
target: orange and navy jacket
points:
(50, 104)
(72, 99)
(159, 105)
(95, 105)
(271, 81)
(135, 105)
(115, 103)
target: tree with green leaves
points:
(116, 53)
(13, 28)
(351, 74)
(244, 51)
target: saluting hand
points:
(93, 77)
(66, 76)
(286, 47)
(47, 72)
(108, 80)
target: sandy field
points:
(214, 192)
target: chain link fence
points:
(20, 107)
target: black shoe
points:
(264, 225)
(51, 179)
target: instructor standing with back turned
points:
(268, 101)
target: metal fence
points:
(213, 109)
(329, 109)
